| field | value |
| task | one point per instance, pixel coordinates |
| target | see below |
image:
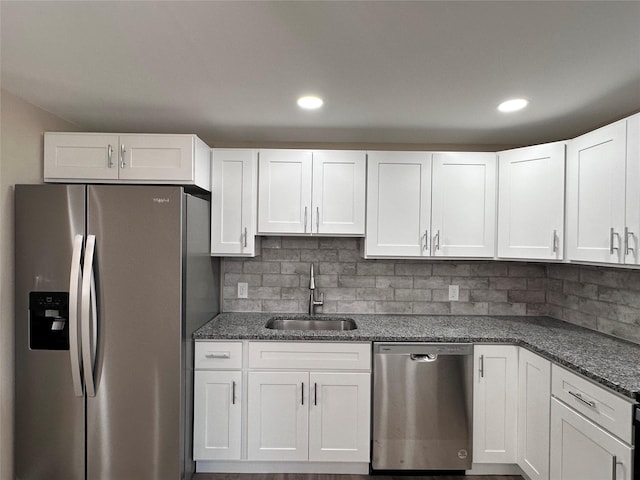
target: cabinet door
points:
(463, 217)
(531, 202)
(580, 450)
(632, 223)
(495, 403)
(284, 194)
(217, 415)
(338, 192)
(69, 156)
(596, 194)
(157, 157)
(234, 202)
(398, 204)
(278, 416)
(339, 417)
(534, 397)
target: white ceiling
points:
(389, 71)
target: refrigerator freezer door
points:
(49, 417)
(133, 422)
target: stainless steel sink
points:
(309, 323)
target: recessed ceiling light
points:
(310, 102)
(513, 105)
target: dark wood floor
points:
(298, 476)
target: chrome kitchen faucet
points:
(313, 303)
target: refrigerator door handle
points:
(89, 316)
(75, 279)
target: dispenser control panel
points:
(49, 320)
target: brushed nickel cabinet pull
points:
(588, 403)
(612, 248)
(110, 156)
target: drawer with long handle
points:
(218, 355)
(602, 406)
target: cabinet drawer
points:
(596, 403)
(218, 355)
(310, 355)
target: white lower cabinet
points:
(217, 401)
(218, 409)
(339, 416)
(534, 396)
(581, 450)
(591, 430)
(315, 416)
(495, 403)
(278, 416)
(305, 407)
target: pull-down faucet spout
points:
(313, 303)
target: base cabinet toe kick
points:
(306, 407)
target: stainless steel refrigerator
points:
(111, 281)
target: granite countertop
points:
(611, 362)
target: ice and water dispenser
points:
(49, 320)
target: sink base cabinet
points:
(315, 416)
(278, 416)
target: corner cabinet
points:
(319, 192)
(127, 158)
(531, 202)
(534, 397)
(495, 403)
(234, 202)
(603, 180)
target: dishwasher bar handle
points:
(422, 349)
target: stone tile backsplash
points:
(599, 298)
(279, 279)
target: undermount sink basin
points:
(310, 323)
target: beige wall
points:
(21, 138)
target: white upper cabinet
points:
(284, 195)
(398, 204)
(463, 211)
(531, 202)
(127, 158)
(234, 202)
(338, 192)
(81, 156)
(596, 164)
(311, 192)
(631, 233)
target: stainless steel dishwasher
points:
(422, 406)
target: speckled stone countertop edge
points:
(578, 349)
